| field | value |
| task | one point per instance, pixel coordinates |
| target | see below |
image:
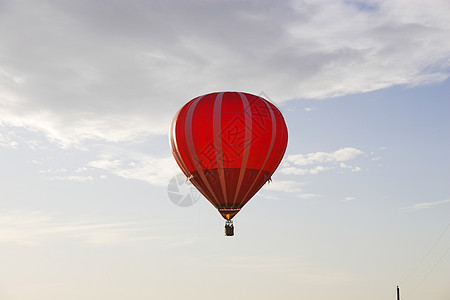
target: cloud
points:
(6, 140)
(95, 161)
(331, 159)
(425, 205)
(343, 154)
(285, 169)
(271, 197)
(132, 165)
(37, 228)
(286, 186)
(283, 186)
(65, 174)
(318, 169)
(349, 199)
(353, 169)
(74, 178)
(309, 196)
(83, 70)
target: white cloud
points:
(271, 197)
(81, 170)
(343, 154)
(349, 198)
(318, 169)
(76, 71)
(106, 164)
(283, 186)
(6, 141)
(286, 186)
(356, 169)
(344, 166)
(53, 171)
(353, 169)
(293, 171)
(323, 160)
(154, 170)
(74, 178)
(425, 205)
(8, 76)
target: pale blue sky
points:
(360, 203)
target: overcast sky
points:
(360, 203)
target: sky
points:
(359, 205)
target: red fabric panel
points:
(229, 144)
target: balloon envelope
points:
(228, 145)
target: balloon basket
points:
(229, 228)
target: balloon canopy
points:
(228, 145)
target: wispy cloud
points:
(283, 186)
(309, 108)
(37, 228)
(96, 161)
(424, 205)
(349, 198)
(353, 169)
(286, 186)
(64, 174)
(133, 165)
(74, 178)
(7, 141)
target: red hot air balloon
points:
(228, 145)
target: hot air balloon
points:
(228, 145)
